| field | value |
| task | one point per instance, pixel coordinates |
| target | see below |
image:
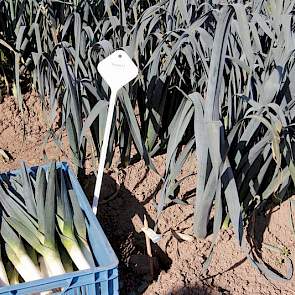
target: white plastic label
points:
(117, 69)
(154, 237)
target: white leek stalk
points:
(3, 275)
(17, 254)
(66, 229)
(80, 227)
(43, 267)
(71, 244)
(66, 260)
(14, 277)
(23, 264)
(40, 235)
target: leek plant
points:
(13, 275)
(36, 209)
(40, 235)
(17, 254)
(3, 275)
(66, 230)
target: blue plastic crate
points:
(101, 280)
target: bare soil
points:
(177, 263)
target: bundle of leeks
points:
(43, 230)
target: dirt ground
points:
(177, 263)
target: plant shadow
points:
(116, 216)
(119, 216)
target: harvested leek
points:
(43, 228)
(66, 229)
(3, 275)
